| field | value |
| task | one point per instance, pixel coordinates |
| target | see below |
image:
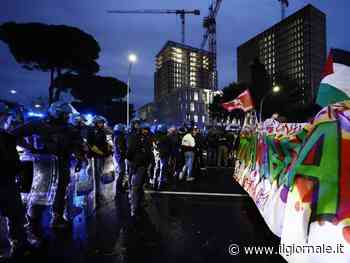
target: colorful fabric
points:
(301, 184)
(335, 84)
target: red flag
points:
(329, 66)
(243, 101)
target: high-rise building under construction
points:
(184, 83)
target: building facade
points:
(186, 104)
(184, 83)
(294, 48)
(147, 113)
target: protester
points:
(175, 142)
(223, 149)
(212, 139)
(188, 146)
(162, 145)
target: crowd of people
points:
(158, 155)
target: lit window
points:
(192, 106)
(195, 96)
(195, 118)
(203, 119)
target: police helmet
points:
(99, 119)
(182, 131)
(172, 129)
(57, 109)
(154, 128)
(119, 128)
(145, 125)
(135, 123)
(76, 118)
(161, 128)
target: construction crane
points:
(181, 13)
(209, 24)
(284, 5)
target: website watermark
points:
(287, 250)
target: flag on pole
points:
(335, 84)
(285, 2)
(243, 101)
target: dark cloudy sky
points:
(118, 35)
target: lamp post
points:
(275, 89)
(132, 59)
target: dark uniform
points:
(11, 205)
(212, 145)
(223, 149)
(119, 159)
(61, 140)
(161, 170)
(139, 156)
(100, 150)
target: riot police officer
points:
(11, 205)
(60, 139)
(100, 150)
(139, 156)
(163, 146)
(119, 140)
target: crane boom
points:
(155, 11)
(209, 35)
(180, 12)
(284, 5)
(209, 22)
(217, 7)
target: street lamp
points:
(132, 60)
(13, 91)
(275, 89)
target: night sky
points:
(118, 34)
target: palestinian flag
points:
(335, 84)
(243, 101)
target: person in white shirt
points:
(188, 147)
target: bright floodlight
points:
(13, 91)
(37, 106)
(276, 89)
(132, 58)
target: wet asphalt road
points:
(174, 228)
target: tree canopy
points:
(92, 89)
(97, 94)
(54, 48)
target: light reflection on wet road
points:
(175, 228)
